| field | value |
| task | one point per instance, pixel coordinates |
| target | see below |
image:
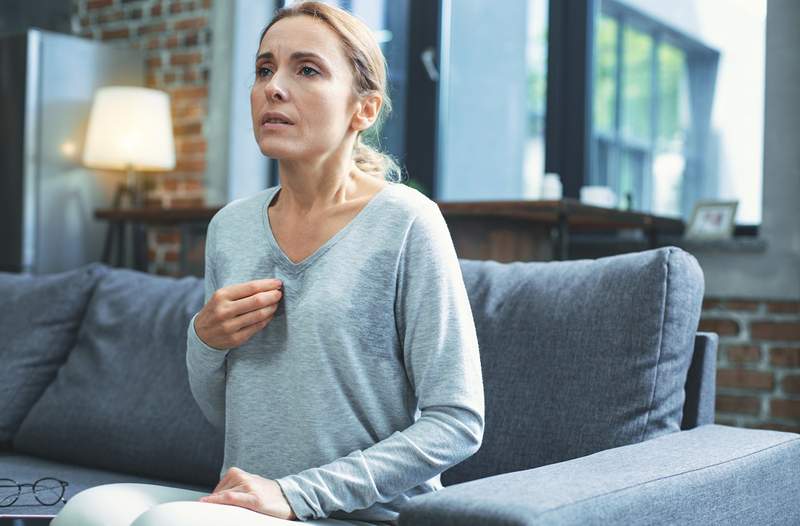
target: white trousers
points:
(133, 504)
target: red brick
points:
(172, 42)
(168, 237)
(189, 75)
(171, 255)
(723, 327)
(151, 255)
(790, 307)
(738, 404)
(741, 305)
(743, 353)
(190, 165)
(775, 427)
(110, 34)
(789, 409)
(113, 16)
(194, 128)
(98, 4)
(189, 112)
(192, 146)
(191, 185)
(775, 330)
(709, 304)
(192, 39)
(791, 383)
(191, 23)
(785, 356)
(153, 62)
(154, 43)
(159, 27)
(155, 10)
(180, 59)
(745, 379)
(190, 92)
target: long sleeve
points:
(206, 365)
(440, 353)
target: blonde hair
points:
(369, 70)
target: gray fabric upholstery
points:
(122, 400)
(580, 356)
(588, 357)
(701, 382)
(39, 320)
(708, 475)
(26, 468)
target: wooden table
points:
(539, 230)
(499, 230)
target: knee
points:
(172, 513)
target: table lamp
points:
(130, 128)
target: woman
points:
(336, 348)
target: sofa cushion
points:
(39, 319)
(580, 356)
(122, 400)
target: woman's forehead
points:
(301, 34)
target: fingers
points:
(252, 303)
(230, 479)
(248, 288)
(244, 334)
(235, 498)
(257, 316)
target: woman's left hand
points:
(247, 490)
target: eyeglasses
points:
(48, 491)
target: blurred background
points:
(545, 130)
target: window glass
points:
(688, 124)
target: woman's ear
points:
(367, 111)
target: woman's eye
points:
(308, 71)
(262, 71)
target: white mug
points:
(598, 196)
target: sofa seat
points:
(28, 469)
(712, 474)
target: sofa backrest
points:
(580, 356)
(577, 356)
(121, 401)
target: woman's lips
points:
(275, 125)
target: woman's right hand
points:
(235, 313)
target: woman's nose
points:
(273, 90)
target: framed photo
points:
(712, 220)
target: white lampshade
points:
(130, 127)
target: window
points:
(675, 118)
(491, 99)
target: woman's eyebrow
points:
(297, 55)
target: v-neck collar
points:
(280, 256)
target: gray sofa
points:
(599, 397)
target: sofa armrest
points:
(709, 474)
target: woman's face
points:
(302, 73)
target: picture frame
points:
(712, 220)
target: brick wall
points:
(176, 38)
(758, 371)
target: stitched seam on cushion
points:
(660, 344)
(634, 486)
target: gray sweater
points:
(366, 385)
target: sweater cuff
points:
(295, 498)
(211, 354)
